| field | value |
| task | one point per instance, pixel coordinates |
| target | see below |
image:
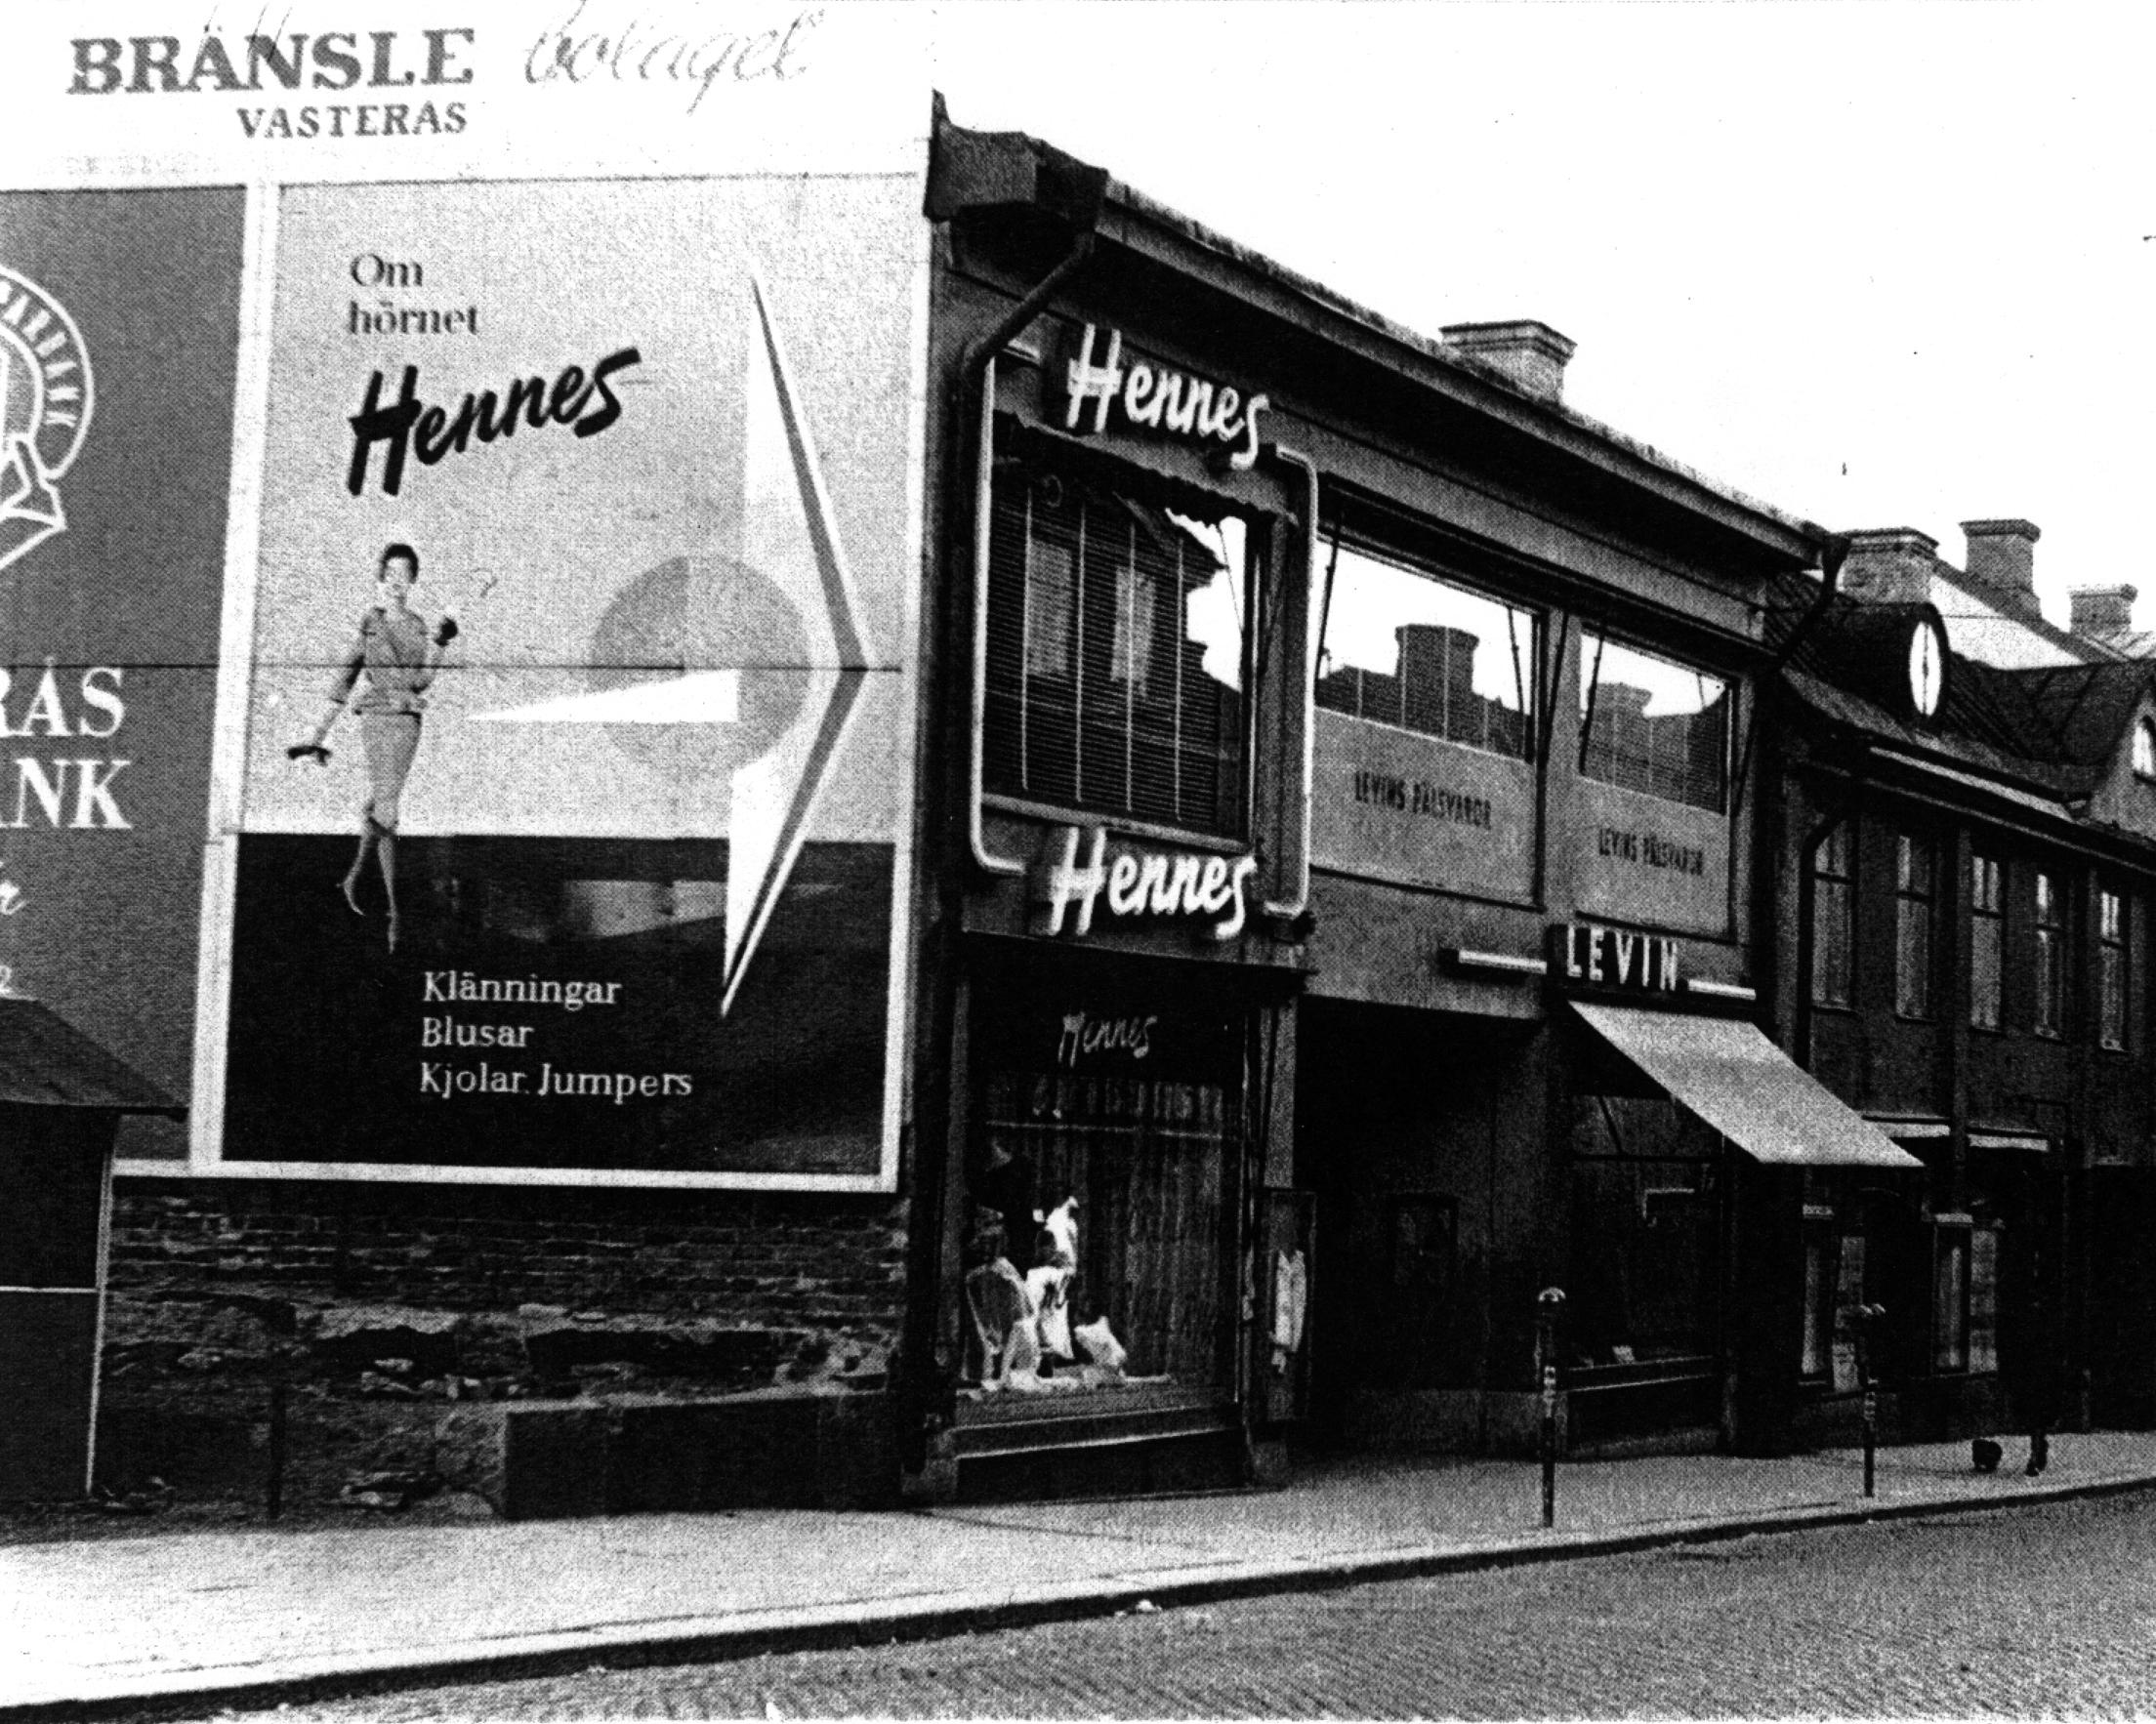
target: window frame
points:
(1527, 656)
(2114, 970)
(1593, 644)
(2050, 955)
(1920, 921)
(1987, 942)
(1833, 871)
(1101, 659)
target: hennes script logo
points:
(45, 401)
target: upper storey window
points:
(2145, 748)
(1117, 642)
(1406, 649)
(1651, 724)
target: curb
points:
(944, 1615)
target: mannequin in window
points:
(1049, 1282)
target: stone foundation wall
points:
(383, 1307)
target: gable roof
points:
(2053, 730)
(2085, 709)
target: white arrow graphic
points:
(701, 697)
(790, 539)
(789, 535)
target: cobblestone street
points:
(2046, 1612)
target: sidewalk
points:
(256, 1618)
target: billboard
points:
(569, 835)
(120, 315)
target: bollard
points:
(1548, 1304)
(1866, 1316)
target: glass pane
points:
(1983, 1300)
(1950, 1304)
(2048, 975)
(1913, 959)
(1985, 982)
(1653, 725)
(1096, 1218)
(1405, 649)
(1830, 949)
(1818, 1338)
(1115, 652)
(2114, 995)
(1051, 590)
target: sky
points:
(1878, 264)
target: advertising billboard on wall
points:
(120, 315)
(569, 835)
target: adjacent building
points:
(1963, 863)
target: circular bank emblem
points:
(45, 401)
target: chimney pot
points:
(1528, 353)
(1890, 565)
(2101, 612)
(2002, 558)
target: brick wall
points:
(380, 1305)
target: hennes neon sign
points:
(1156, 399)
(1131, 885)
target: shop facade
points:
(1358, 761)
(1964, 853)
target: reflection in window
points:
(1915, 887)
(1832, 939)
(1653, 725)
(1405, 649)
(2051, 958)
(1816, 1350)
(1115, 651)
(2144, 749)
(1987, 912)
(1646, 1235)
(2111, 951)
(1950, 1298)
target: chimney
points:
(2002, 560)
(1890, 565)
(2099, 613)
(1530, 354)
(1437, 675)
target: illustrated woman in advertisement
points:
(384, 679)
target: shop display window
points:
(1950, 1286)
(1117, 644)
(1406, 649)
(1816, 1349)
(1645, 1285)
(1983, 1298)
(1095, 1255)
(1850, 1288)
(1650, 724)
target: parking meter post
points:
(1549, 1303)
